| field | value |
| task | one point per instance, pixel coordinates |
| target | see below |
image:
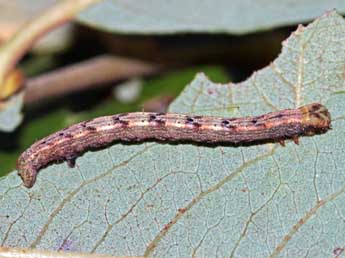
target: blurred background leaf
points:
(235, 17)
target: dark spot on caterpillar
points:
(124, 123)
(152, 118)
(197, 117)
(82, 124)
(116, 119)
(91, 128)
(43, 142)
(225, 123)
(61, 134)
(278, 116)
(254, 120)
(49, 143)
(189, 120)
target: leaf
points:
(10, 115)
(171, 200)
(236, 17)
(11, 99)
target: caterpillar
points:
(69, 143)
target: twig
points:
(95, 72)
(17, 46)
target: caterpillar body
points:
(69, 143)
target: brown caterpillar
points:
(70, 142)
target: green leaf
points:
(236, 17)
(171, 200)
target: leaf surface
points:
(237, 17)
(169, 200)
